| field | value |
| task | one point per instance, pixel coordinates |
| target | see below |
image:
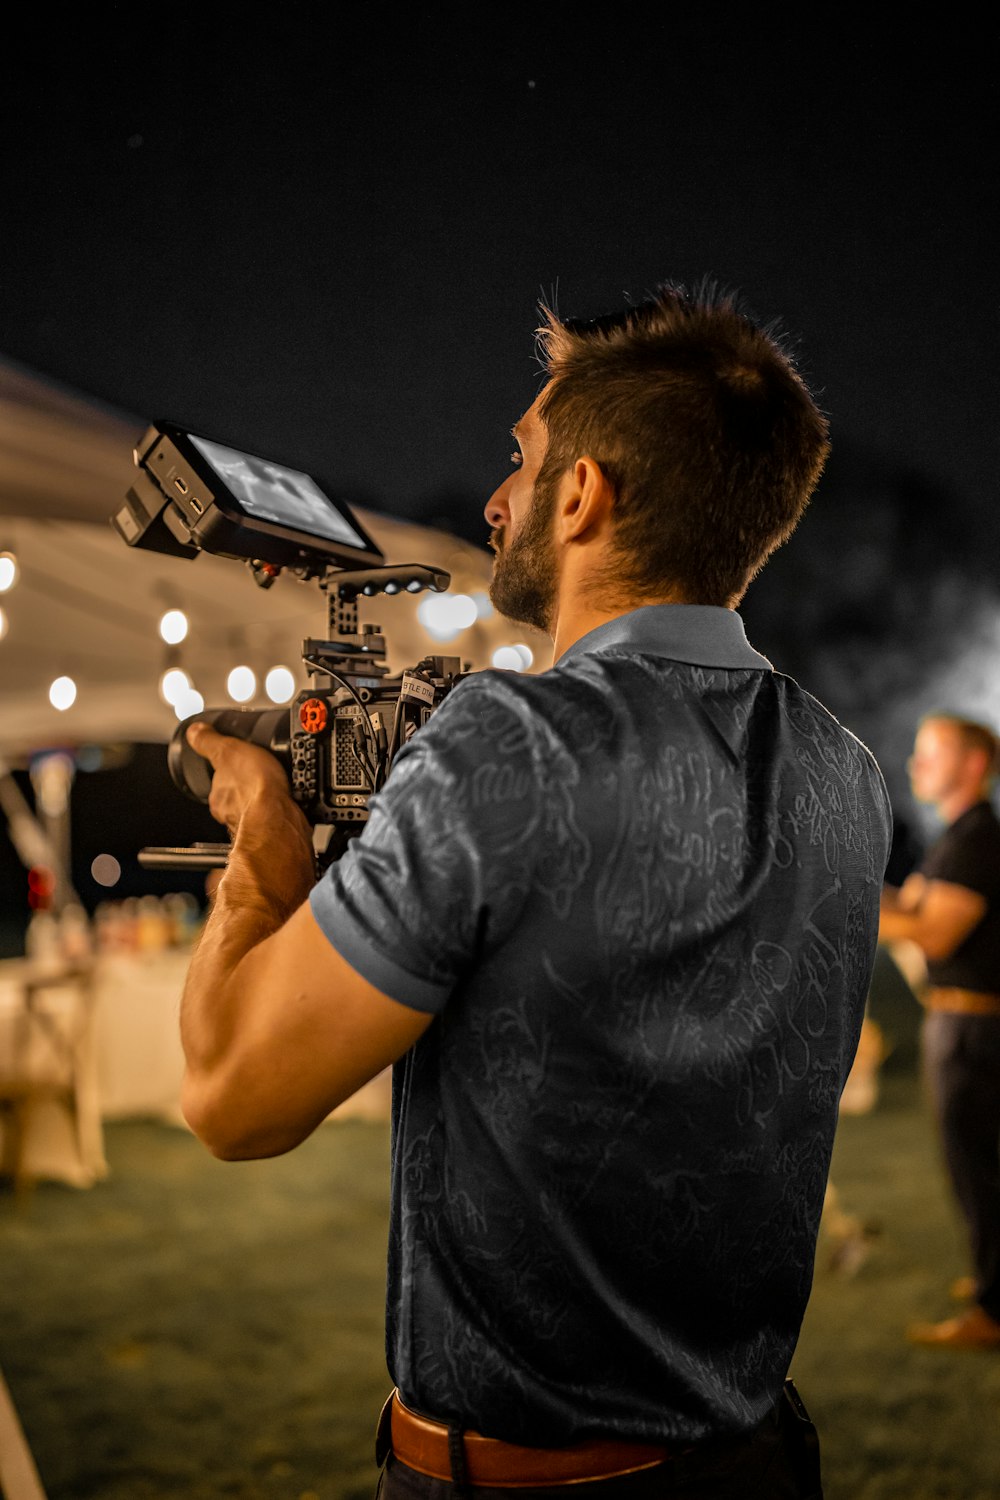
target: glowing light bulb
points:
(9, 571)
(279, 684)
(62, 693)
(444, 615)
(465, 611)
(173, 685)
(189, 703)
(508, 659)
(106, 870)
(174, 626)
(241, 684)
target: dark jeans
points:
(962, 1063)
(779, 1462)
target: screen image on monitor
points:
(273, 492)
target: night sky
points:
(327, 238)
(324, 239)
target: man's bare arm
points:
(935, 914)
(906, 897)
(277, 1028)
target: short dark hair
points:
(973, 734)
(702, 425)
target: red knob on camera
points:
(313, 715)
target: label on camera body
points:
(416, 690)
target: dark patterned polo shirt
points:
(639, 892)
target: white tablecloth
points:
(130, 1062)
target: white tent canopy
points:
(88, 607)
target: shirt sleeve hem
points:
(355, 946)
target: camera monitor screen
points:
(283, 496)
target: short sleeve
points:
(444, 864)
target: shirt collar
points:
(704, 635)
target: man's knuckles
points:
(205, 741)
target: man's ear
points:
(585, 502)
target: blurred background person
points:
(950, 908)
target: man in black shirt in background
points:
(951, 909)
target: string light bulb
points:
(443, 616)
(279, 685)
(106, 870)
(188, 703)
(173, 626)
(174, 684)
(241, 684)
(62, 693)
(513, 658)
(9, 571)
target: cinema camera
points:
(338, 739)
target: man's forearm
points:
(270, 873)
(938, 920)
(896, 926)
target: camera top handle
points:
(397, 578)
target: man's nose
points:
(497, 510)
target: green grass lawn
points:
(190, 1328)
(897, 1422)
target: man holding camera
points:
(614, 924)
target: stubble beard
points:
(524, 584)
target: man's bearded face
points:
(525, 574)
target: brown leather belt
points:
(963, 1002)
(422, 1444)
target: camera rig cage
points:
(338, 739)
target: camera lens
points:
(267, 727)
